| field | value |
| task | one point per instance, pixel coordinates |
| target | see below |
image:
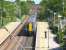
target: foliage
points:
(55, 5)
(54, 29)
(9, 10)
(24, 7)
(43, 8)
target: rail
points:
(16, 30)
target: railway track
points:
(14, 43)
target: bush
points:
(54, 29)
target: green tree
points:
(43, 8)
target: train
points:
(30, 26)
(28, 29)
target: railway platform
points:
(41, 41)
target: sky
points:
(36, 1)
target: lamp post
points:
(54, 17)
(48, 21)
(59, 20)
(59, 25)
(63, 6)
(50, 12)
(54, 13)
